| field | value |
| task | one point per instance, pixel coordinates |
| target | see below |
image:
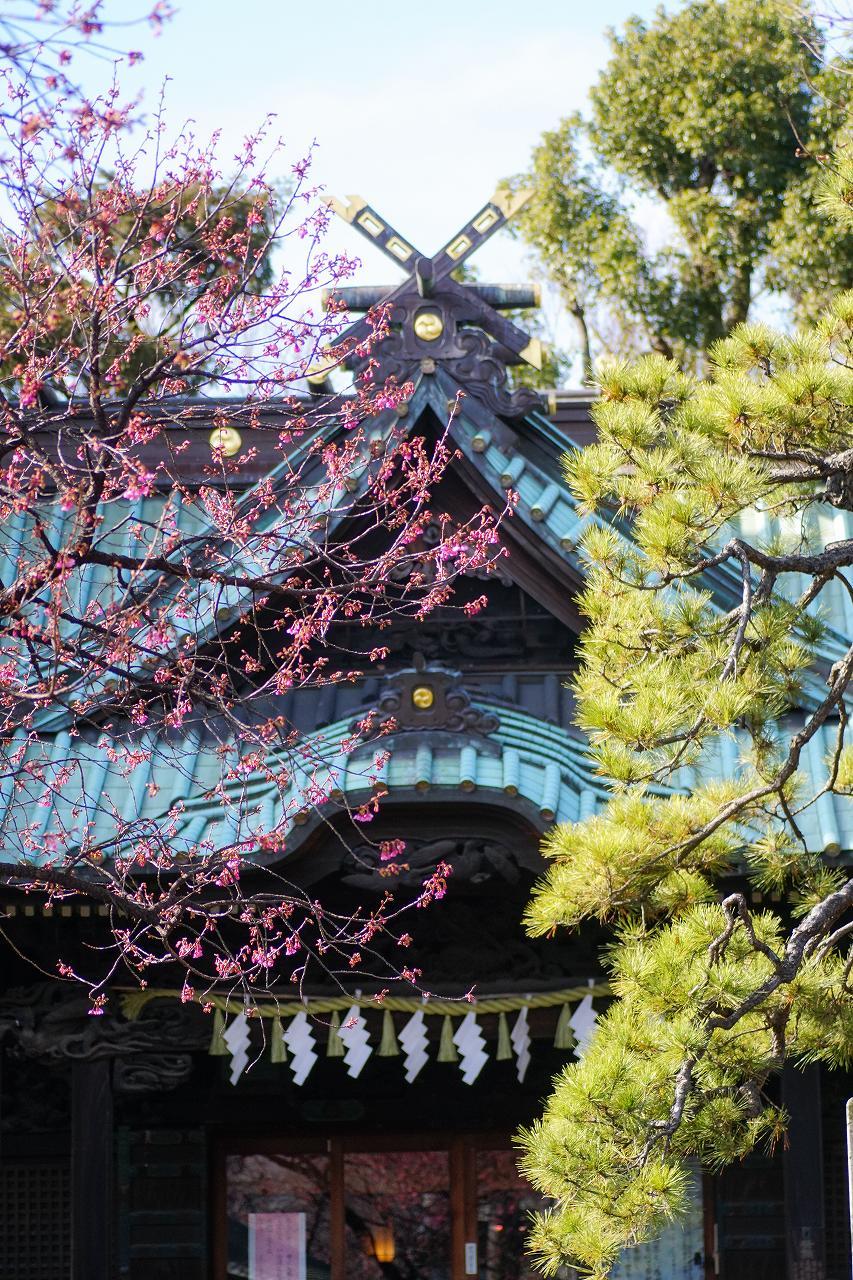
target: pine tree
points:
(711, 562)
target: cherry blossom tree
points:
(162, 586)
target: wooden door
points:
(399, 1207)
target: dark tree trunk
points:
(586, 347)
(740, 298)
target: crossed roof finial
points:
(438, 320)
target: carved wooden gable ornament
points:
(436, 320)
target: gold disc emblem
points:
(423, 697)
(428, 326)
(226, 440)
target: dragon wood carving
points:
(52, 1024)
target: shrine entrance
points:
(395, 1208)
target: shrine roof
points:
(480, 748)
(497, 455)
(514, 747)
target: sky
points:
(419, 107)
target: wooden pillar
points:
(463, 1210)
(803, 1174)
(337, 1211)
(457, 1209)
(91, 1170)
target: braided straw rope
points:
(133, 1002)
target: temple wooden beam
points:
(803, 1175)
(503, 297)
(91, 1170)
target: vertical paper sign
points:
(276, 1246)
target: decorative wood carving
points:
(150, 1072)
(474, 861)
(431, 698)
(471, 358)
(52, 1023)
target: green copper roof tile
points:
(468, 768)
(546, 502)
(552, 785)
(586, 803)
(536, 767)
(509, 473)
(511, 771)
